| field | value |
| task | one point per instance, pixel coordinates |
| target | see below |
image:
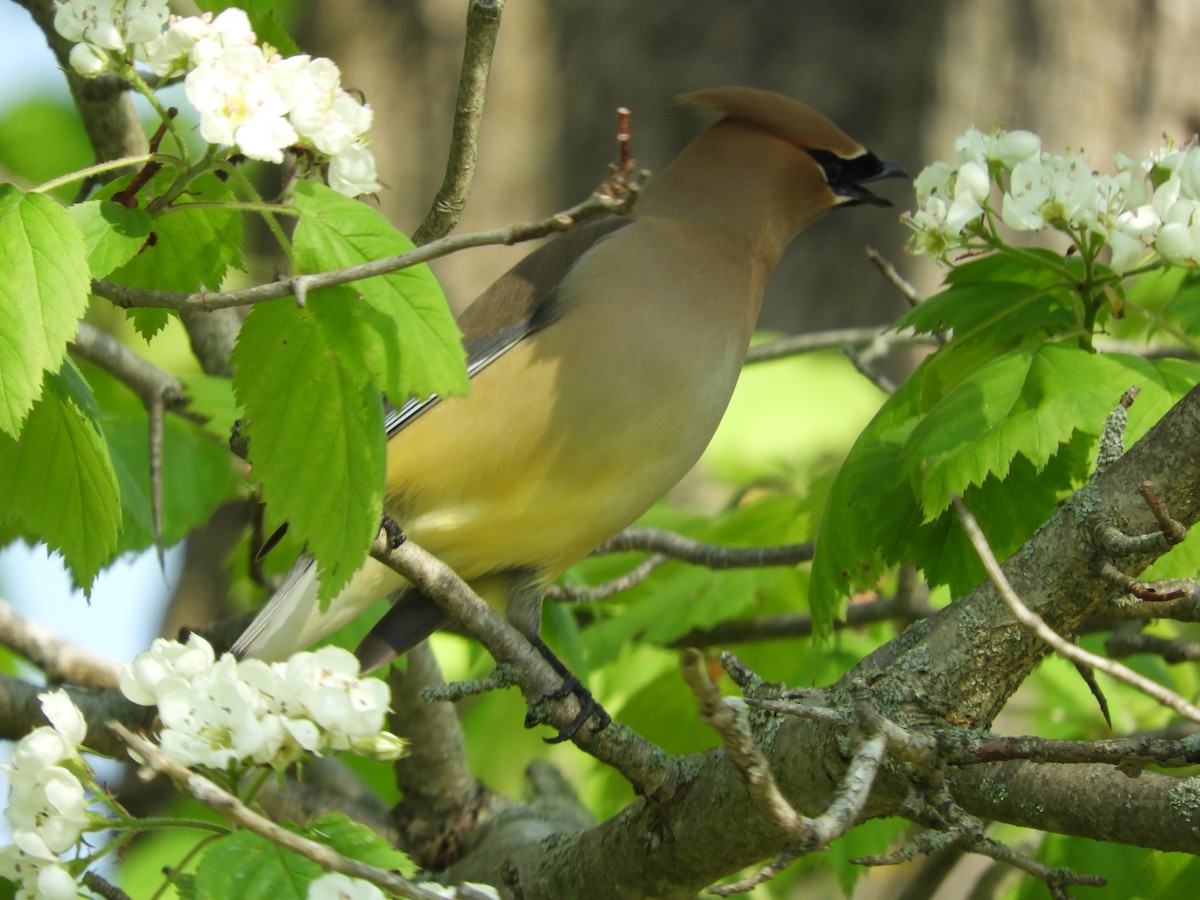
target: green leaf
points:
(43, 293)
(1028, 401)
(1009, 511)
(249, 867)
(316, 435)
(357, 841)
(259, 868)
(212, 397)
(999, 295)
(405, 334)
(1012, 437)
(59, 484)
(113, 234)
(192, 247)
(867, 509)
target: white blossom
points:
(38, 877)
(239, 105)
(1146, 211)
(218, 721)
(144, 19)
(452, 892)
(230, 30)
(48, 809)
(326, 117)
(248, 98)
(110, 24)
(89, 60)
(336, 886)
(64, 715)
(94, 22)
(166, 666)
(228, 713)
(352, 172)
(172, 49)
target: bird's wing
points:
(522, 301)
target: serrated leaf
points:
(407, 337)
(212, 397)
(867, 508)
(1009, 511)
(316, 435)
(1028, 402)
(356, 841)
(193, 247)
(249, 867)
(43, 293)
(112, 234)
(59, 484)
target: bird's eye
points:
(833, 167)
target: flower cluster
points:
(47, 808)
(221, 713)
(247, 95)
(342, 887)
(1147, 211)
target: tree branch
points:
(230, 807)
(60, 660)
(597, 204)
(879, 338)
(442, 801)
(1061, 645)
(712, 556)
(483, 24)
(648, 768)
(21, 712)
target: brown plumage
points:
(602, 364)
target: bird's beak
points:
(856, 193)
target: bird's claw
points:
(588, 708)
(395, 534)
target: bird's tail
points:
(277, 631)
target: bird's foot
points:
(588, 706)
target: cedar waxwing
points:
(600, 366)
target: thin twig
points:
(483, 24)
(573, 593)
(231, 808)
(711, 556)
(1063, 647)
(835, 339)
(60, 660)
(1172, 651)
(727, 717)
(597, 204)
(143, 378)
(892, 274)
